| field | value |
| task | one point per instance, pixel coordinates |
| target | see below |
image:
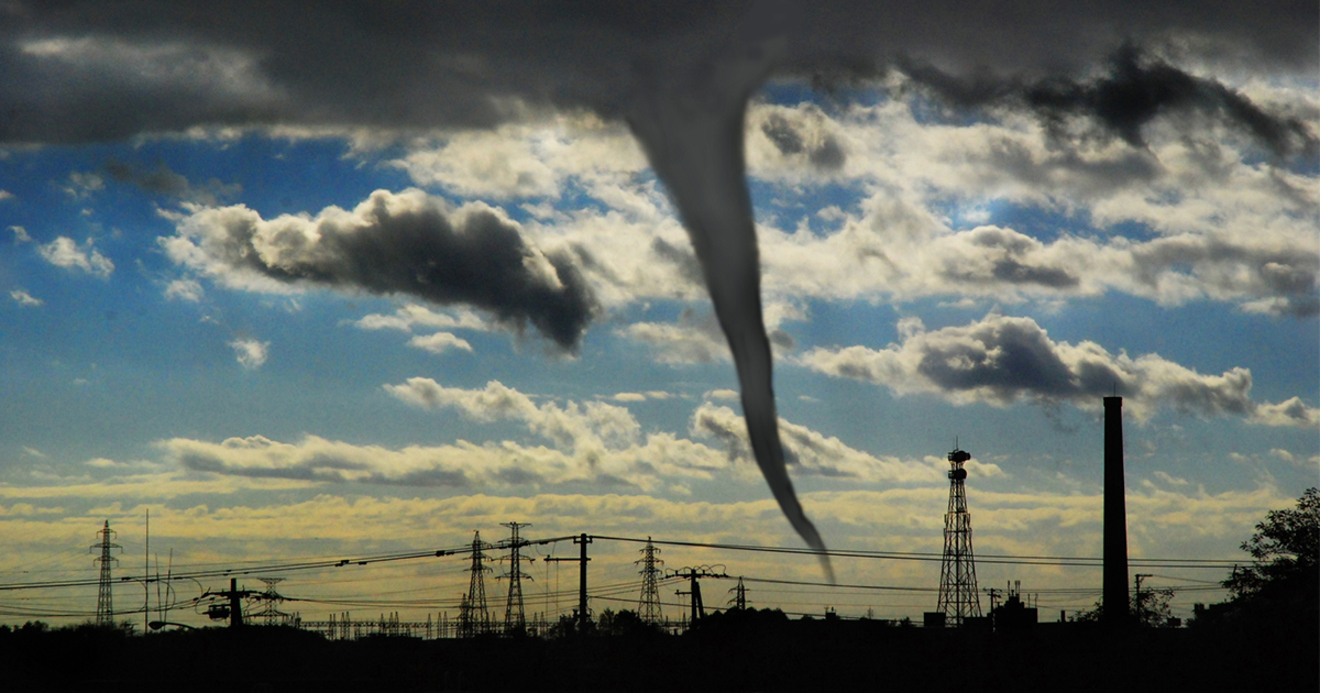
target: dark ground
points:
(755, 652)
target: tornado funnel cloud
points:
(691, 122)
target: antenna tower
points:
(473, 617)
(958, 596)
(515, 620)
(739, 600)
(648, 607)
(105, 608)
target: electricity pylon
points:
(473, 617)
(739, 600)
(270, 614)
(648, 607)
(105, 608)
(958, 597)
(515, 620)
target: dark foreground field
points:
(752, 655)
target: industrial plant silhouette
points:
(1266, 638)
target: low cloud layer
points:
(1001, 360)
(405, 243)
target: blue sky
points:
(178, 333)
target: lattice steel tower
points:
(958, 596)
(105, 608)
(514, 618)
(473, 617)
(739, 600)
(270, 613)
(648, 607)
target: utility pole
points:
(649, 605)
(1141, 602)
(105, 609)
(582, 540)
(473, 617)
(515, 620)
(235, 596)
(691, 574)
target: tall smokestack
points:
(1115, 611)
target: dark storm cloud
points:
(100, 69)
(400, 244)
(1135, 91)
(682, 258)
(785, 137)
(160, 180)
(1001, 360)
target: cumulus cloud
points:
(25, 299)
(439, 342)
(20, 235)
(251, 353)
(590, 427)
(534, 159)
(1189, 218)
(406, 317)
(697, 338)
(1000, 360)
(184, 290)
(810, 453)
(64, 252)
(395, 243)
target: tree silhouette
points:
(1286, 554)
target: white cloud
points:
(64, 252)
(534, 160)
(25, 299)
(809, 452)
(1291, 412)
(83, 183)
(1225, 228)
(184, 290)
(20, 235)
(251, 353)
(1000, 360)
(408, 316)
(439, 343)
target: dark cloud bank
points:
(408, 244)
(100, 69)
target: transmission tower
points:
(648, 607)
(958, 597)
(105, 608)
(514, 618)
(270, 614)
(473, 618)
(739, 600)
